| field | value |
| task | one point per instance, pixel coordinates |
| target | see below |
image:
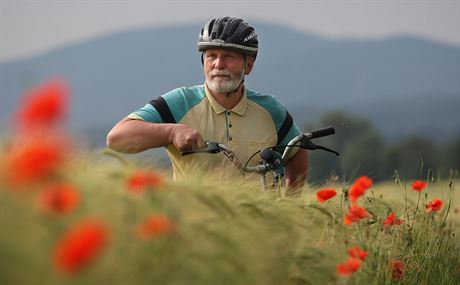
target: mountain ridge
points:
(304, 71)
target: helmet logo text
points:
(250, 36)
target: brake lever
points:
(308, 144)
(327, 149)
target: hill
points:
(404, 85)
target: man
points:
(221, 110)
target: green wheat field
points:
(227, 231)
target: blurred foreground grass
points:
(229, 232)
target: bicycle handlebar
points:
(303, 139)
(306, 143)
(322, 132)
(211, 147)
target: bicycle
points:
(271, 161)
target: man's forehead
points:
(223, 51)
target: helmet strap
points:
(236, 89)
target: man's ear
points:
(249, 65)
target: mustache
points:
(220, 73)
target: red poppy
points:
(364, 181)
(34, 160)
(58, 199)
(325, 194)
(397, 268)
(391, 220)
(154, 225)
(434, 206)
(355, 214)
(418, 185)
(81, 244)
(141, 180)
(357, 252)
(350, 266)
(360, 186)
(45, 105)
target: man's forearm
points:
(132, 136)
(296, 172)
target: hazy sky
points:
(31, 27)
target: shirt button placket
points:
(229, 126)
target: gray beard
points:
(224, 86)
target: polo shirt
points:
(257, 121)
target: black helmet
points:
(231, 33)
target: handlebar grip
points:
(322, 132)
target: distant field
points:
(394, 193)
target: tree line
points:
(364, 151)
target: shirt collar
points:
(239, 109)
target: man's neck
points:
(229, 101)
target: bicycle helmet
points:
(230, 33)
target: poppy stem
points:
(418, 201)
(449, 204)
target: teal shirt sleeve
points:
(293, 132)
(147, 113)
(172, 106)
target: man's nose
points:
(219, 62)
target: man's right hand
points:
(186, 138)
